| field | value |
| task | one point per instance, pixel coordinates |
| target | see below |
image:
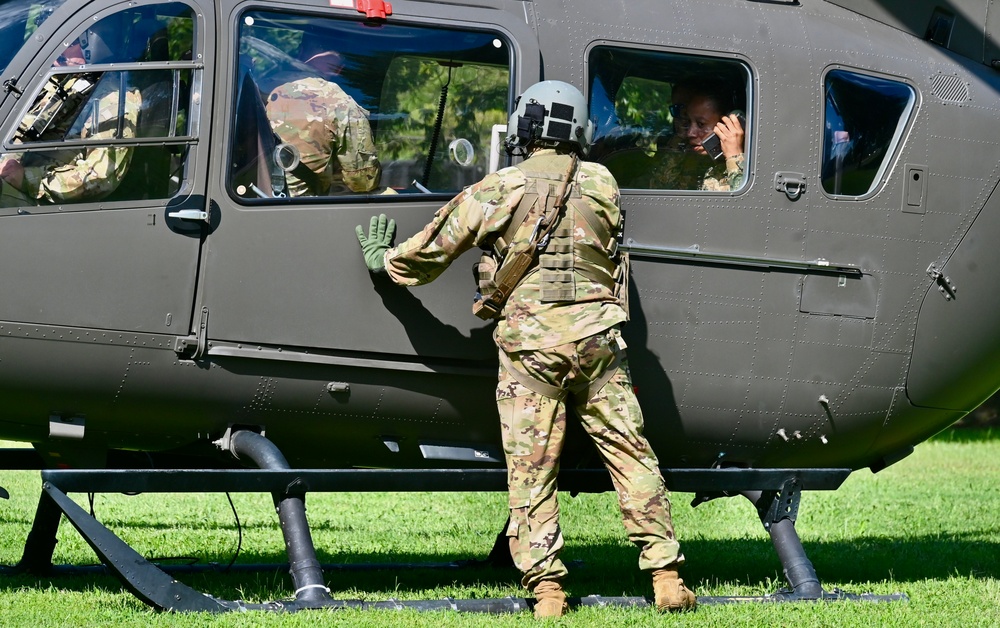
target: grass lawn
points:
(928, 527)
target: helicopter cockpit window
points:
(865, 117)
(333, 108)
(655, 113)
(93, 132)
(19, 19)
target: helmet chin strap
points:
(514, 148)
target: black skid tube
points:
(155, 586)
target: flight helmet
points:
(549, 113)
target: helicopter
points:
(196, 314)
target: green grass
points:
(928, 526)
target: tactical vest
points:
(578, 261)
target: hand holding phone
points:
(713, 144)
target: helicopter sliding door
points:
(331, 121)
(100, 147)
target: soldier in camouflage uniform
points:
(74, 107)
(688, 166)
(329, 131)
(559, 345)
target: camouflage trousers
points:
(534, 426)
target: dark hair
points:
(720, 94)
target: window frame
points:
(47, 68)
(516, 52)
(893, 150)
(749, 142)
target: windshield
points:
(18, 20)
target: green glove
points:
(377, 242)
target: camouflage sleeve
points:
(359, 164)
(718, 180)
(96, 172)
(598, 184)
(94, 175)
(468, 220)
(734, 171)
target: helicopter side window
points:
(655, 114)
(19, 19)
(864, 120)
(331, 108)
(81, 137)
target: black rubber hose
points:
(799, 570)
(307, 575)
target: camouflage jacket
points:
(89, 174)
(331, 133)
(724, 176)
(677, 170)
(476, 217)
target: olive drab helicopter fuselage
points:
(165, 286)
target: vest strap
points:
(516, 264)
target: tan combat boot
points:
(550, 599)
(669, 591)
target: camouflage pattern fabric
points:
(679, 170)
(560, 344)
(75, 175)
(725, 176)
(482, 212)
(690, 171)
(533, 428)
(331, 134)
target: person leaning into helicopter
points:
(75, 175)
(558, 333)
(704, 113)
(328, 131)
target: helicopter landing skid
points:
(159, 589)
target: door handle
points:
(189, 214)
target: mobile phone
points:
(712, 143)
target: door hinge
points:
(194, 346)
(10, 86)
(944, 284)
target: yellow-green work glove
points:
(377, 242)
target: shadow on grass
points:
(865, 559)
(603, 569)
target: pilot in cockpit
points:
(74, 106)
